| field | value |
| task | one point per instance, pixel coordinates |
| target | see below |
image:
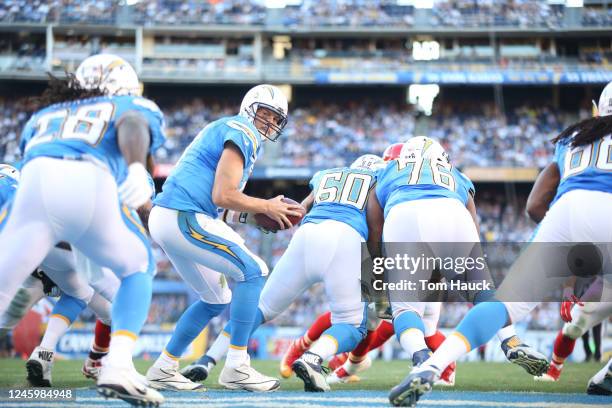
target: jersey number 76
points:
(441, 171)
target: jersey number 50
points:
(88, 124)
(352, 188)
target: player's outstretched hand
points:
(566, 307)
(280, 211)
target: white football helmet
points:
(605, 101)
(271, 98)
(9, 171)
(110, 73)
(425, 147)
(370, 162)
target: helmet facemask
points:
(271, 130)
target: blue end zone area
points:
(353, 399)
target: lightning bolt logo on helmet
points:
(425, 147)
(110, 73)
(270, 98)
(6, 170)
(370, 162)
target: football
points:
(269, 224)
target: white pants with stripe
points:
(204, 251)
(579, 216)
(328, 252)
(443, 220)
(72, 201)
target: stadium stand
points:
(309, 13)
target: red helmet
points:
(392, 152)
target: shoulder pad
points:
(147, 104)
(241, 127)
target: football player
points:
(333, 229)
(56, 273)
(85, 152)
(420, 186)
(378, 333)
(204, 250)
(323, 322)
(580, 183)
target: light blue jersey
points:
(584, 167)
(189, 186)
(341, 194)
(8, 187)
(88, 128)
(419, 179)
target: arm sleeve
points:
(559, 155)
(314, 181)
(155, 119)
(243, 141)
(26, 134)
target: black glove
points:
(49, 287)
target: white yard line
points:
(297, 401)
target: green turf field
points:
(382, 376)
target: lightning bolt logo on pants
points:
(201, 238)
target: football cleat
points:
(419, 382)
(337, 361)
(340, 376)
(169, 378)
(532, 361)
(124, 383)
(447, 378)
(419, 357)
(247, 378)
(308, 368)
(200, 369)
(601, 382)
(552, 375)
(293, 353)
(39, 367)
(91, 368)
(354, 368)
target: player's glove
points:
(566, 307)
(135, 189)
(49, 287)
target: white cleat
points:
(169, 378)
(39, 367)
(124, 383)
(247, 378)
(354, 368)
(450, 382)
(339, 377)
(601, 382)
(346, 373)
(91, 368)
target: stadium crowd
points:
(446, 13)
(518, 13)
(324, 134)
